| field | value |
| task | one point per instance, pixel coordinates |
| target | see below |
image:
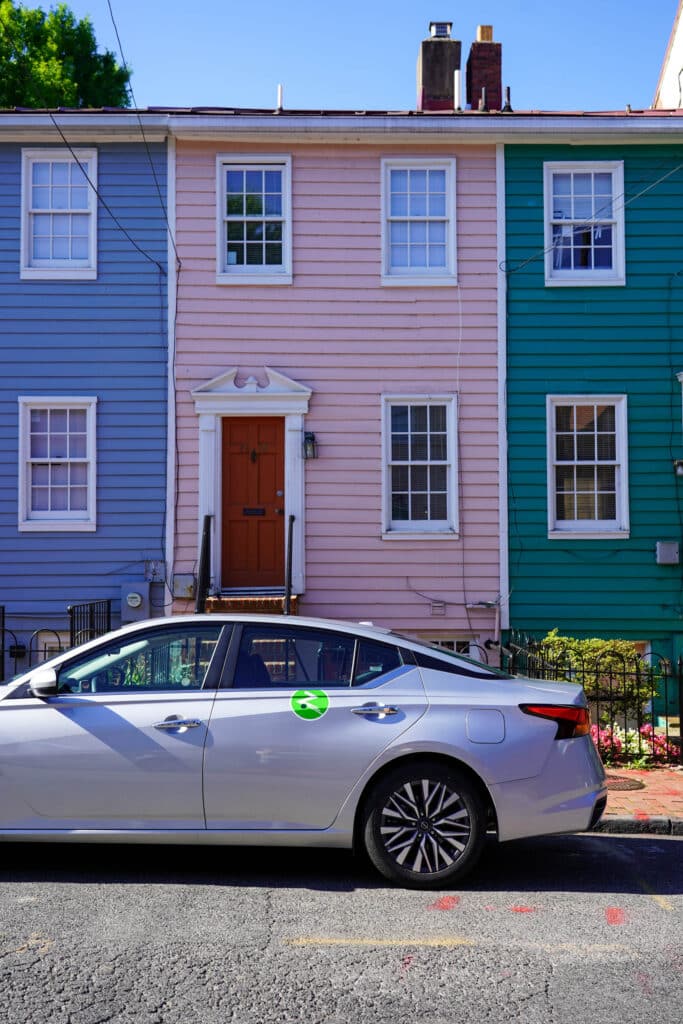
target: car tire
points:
(424, 824)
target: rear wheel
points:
(424, 825)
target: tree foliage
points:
(50, 59)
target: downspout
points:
(503, 619)
(171, 438)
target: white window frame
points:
(254, 274)
(424, 530)
(60, 270)
(29, 521)
(429, 276)
(590, 529)
(615, 275)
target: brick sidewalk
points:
(644, 801)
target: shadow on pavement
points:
(573, 863)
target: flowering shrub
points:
(637, 747)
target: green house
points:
(594, 365)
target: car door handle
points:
(175, 722)
(375, 710)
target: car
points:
(292, 731)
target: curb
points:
(644, 825)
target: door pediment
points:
(232, 395)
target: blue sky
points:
(360, 55)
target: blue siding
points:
(106, 338)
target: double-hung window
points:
(584, 223)
(57, 463)
(587, 465)
(418, 223)
(59, 214)
(419, 466)
(254, 220)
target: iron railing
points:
(635, 702)
(88, 621)
(204, 567)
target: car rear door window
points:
(375, 659)
(285, 656)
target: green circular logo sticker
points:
(309, 704)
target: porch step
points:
(271, 604)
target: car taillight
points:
(571, 721)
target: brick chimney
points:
(484, 75)
(438, 66)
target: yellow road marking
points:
(661, 901)
(452, 942)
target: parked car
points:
(289, 731)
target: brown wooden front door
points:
(253, 524)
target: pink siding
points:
(339, 332)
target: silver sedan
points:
(281, 731)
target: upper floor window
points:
(254, 221)
(584, 223)
(57, 463)
(587, 465)
(418, 222)
(420, 466)
(59, 214)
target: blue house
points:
(84, 345)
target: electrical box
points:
(667, 552)
(135, 604)
(184, 585)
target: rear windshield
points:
(444, 660)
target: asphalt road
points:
(564, 929)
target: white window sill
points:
(56, 526)
(419, 280)
(58, 274)
(253, 279)
(585, 282)
(589, 534)
(420, 535)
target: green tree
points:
(50, 59)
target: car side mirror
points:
(43, 683)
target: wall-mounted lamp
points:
(311, 445)
(678, 467)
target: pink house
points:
(337, 368)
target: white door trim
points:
(222, 397)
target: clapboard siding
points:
(339, 332)
(106, 338)
(609, 340)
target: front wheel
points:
(424, 825)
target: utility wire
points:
(144, 137)
(588, 221)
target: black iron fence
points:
(635, 702)
(86, 622)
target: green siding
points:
(601, 340)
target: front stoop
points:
(259, 604)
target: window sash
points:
(59, 222)
(587, 467)
(254, 217)
(57, 463)
(419, 218)
(419, 465)
(584, 221)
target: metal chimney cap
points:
(440, 29)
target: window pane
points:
(399, 417)
(419, 507)
(176, 659)
(280, 656)
(375, 660)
